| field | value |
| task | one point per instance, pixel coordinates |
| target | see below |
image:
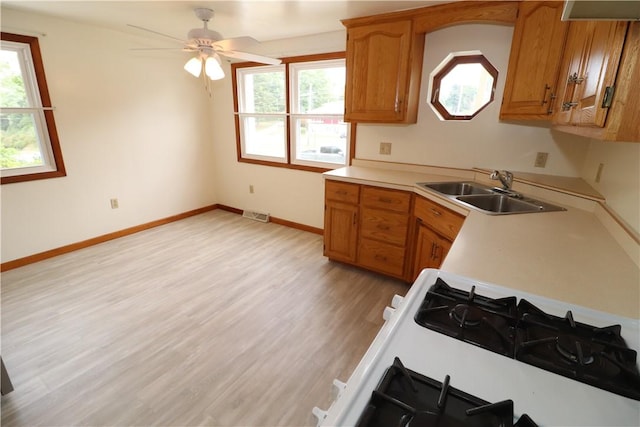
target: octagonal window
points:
(462, 86)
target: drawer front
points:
(382, 198)
(390, 227)
(342, 191)
(381, 257)
(441, 219)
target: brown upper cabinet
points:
(599, 80)
(534, 63)
(385, 52)
(382, 63)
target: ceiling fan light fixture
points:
(213, 69)
(194, 67)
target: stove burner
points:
(466, 316)
(575, 352)
(473, 318)
(405, 398)
(598, 356)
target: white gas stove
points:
(548, 398)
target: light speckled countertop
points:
(568, 256)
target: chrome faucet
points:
(505, 177)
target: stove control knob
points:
(319, 414)
(338, 388)
(387, 313)
(396, 301)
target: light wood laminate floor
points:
(213, 320)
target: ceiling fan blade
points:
(159, 48)
(250, 57)
(236, 43)
(156, 32)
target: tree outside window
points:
(291, 115)
(29, 147)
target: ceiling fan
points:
(209, 46)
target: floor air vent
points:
(256, 216)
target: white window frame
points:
(244, 116)
(294, 69)
(36, 109)
(290, 65)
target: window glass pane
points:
(12, 89)
(264, 136)
(465, 89)
(20, 145)
(321, 91)
(263, 92)
(321, 139)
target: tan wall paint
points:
(137, 127)
(483, 141)
(285, 193)
(132, 126)
(620, 178)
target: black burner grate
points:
(595, 356)
(405, 398)
(485, 322)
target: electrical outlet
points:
(114, 204)
(385, 148)
(541, 160)
(250, 189)
(599, 173)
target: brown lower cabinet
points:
(388, 231)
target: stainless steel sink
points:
(499, 203)
(457, 188)
(490, 200)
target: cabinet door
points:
(536, 51)
(431, 249)
(588, 73)
(602, 53)
(572, 58)
(340, 231)
(378, 58)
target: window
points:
(291, 115)
(29, 147)
(462, 86)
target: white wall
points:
(285, 193)
(483, 141)
(132, 126)
(620, 177)
(137, 127)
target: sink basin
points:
(456, 188)
(490, 200)
(498, 203)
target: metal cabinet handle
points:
(385, 200)
(435, 212)
(573, 78)
(433, 250)
(566, 106)
(544, 97)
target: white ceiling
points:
(261, 19)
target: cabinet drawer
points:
(441, 219)
(390, 227)
(393, 200)
(342, 191)
(381, 257)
